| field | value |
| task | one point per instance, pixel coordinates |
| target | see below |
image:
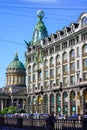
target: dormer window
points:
(58, 35)
(65, 31)
(72, 28)
(52, 37)
(84, 21)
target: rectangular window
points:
(78, 76)
(72, 79)
(72, 67)
(46, 74)
(51, 50)
(65, 68)
(58, 82)
(58, 71)
(52, 73)
(34, 87)
(57, 48)
(46, 85)
(85, 76)
(39, 85)
(34, 78)
(46, 53)
(85, 63)
(78, 65)
(65, 80)
(64, 45)
(39, 76)
(77, 51)
(51, 83)
(29, 79)
(77, 39)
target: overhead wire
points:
(12, 42)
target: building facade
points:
(57, 69)
(14, 93)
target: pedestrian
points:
(50, 122)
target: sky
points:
(18, 19)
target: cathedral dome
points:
(40, 31)
(16, 64)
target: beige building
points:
(14, 93)
(57, 68)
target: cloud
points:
(41, 1)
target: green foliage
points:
(12, 110)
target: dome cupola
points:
(16, 64)
(16, 73)
(40, 31)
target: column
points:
(61, 103)
(55, 70)
(55, 103)
(49, 72)
(69, 104)
(48, 103)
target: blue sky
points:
(18, 19)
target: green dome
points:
(16, 64)
(40, 31)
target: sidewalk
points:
(20, 128)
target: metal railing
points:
(61, 124)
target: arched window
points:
(64, 57)
(65, 103)
(58, 103)
(72, 55)
(34, 101)
(29, 69)
(84, 21)
(34, 67)
(57, 60)
(46, 64)
(29, 105)
(45, 103)
(85, 50)
(51, 62)
(51, 102)
(73, 102)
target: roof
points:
(40, 31)
(16, 64)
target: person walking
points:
(50, 122)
